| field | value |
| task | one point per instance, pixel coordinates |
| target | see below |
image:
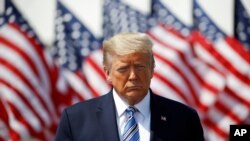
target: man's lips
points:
(133, 87)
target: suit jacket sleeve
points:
(64, 131)
(196, 131)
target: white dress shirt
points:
(142, 117)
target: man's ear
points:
(107, 74)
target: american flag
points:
(79, 53)
(199, 65)
(213, 46)
(119, 17)
(242, 24)
(30, 91)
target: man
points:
(130, 111)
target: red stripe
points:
(13, 135)
(171, 85)
(24, 100)
(182, 56)
(55, 92)
(85, 81)
(216, 129)
(187, 82)
(174, 32)
(25, 81)
(24, 122)
(37, 47)
(227, 111)
(200, 80)
(40, 51)
(239, 49)
(237, 97)
(19, 51)
(209, 47)
(96, 67)
(3, 114)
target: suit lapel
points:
(106, 115)
(158, 120)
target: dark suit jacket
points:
(95, 120)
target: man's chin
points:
(134, 97)
(135, 91)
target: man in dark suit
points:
(130, 111)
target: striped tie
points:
(131, 130)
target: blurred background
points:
(51, 58)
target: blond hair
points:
(126, 43)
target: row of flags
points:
(198, 65)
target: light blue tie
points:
(131, 130)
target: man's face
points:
(130, 76)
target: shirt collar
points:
(143, 106)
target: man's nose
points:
(132, 74)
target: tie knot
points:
(131, 110)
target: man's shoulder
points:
(172, 105)
(87, 105)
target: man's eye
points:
(140, 67)
(123, 69)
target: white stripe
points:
(13, 98)
(77, 84)
(221, 120)
(236, 107)
(242, 89)
(207, 97)
(18, 39)
(93, 77)
(95, 80)
(234, 58)
(4, 133)
(212, 77)
(15, 124)
(162, 89)
(16, 60)
(171, 39)
(212, 135)
(19, 85)
(169, 74)
(206, 56)
(97, 57)
(175, 59)
(48, 58)
(44, 86)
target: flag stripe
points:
(93, 70)
(15, 70)
(45, 75)
(183, 95)
(181, 56)
(218, 131)
(26, 43)
(78, 82)
(25, 56)
(237, 47)
(24, 121)
(210, 49)
(13, 77)
(17, 93)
